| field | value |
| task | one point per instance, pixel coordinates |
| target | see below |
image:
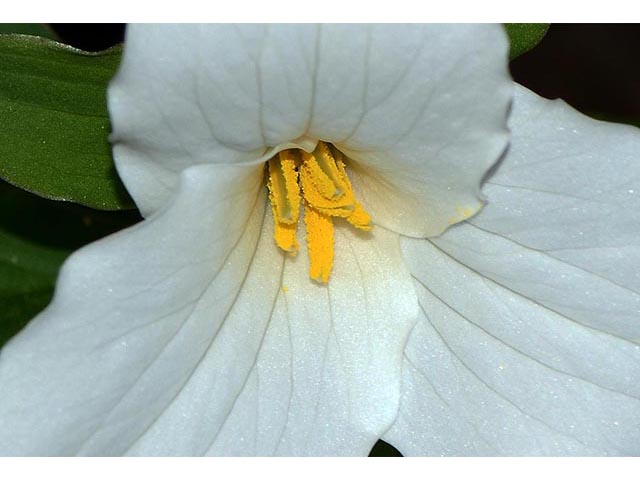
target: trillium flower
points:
(355, 288)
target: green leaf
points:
(37, 29)
(36, 235)
(54, 122)
(524, 36)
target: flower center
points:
(321, 180)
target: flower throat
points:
(320, 179)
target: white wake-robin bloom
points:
(201, 330)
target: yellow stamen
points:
(360, 218)
(323, 183)
(319, 188)
(284, 194)
(319, 243)
(327, 162)
(285, 236)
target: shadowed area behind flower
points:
(591, 67)
(36, 236)
(383, 449)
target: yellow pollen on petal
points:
(465, 212)
(320, 178)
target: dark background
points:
(595, 68)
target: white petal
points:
(191, 334)
(174, 102)
(321, 373)
(567, 190)
(129, 320)
(531, 311)
(433, 123)
(422, 105)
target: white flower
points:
(191, 333)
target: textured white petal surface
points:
(531, 310)
(191, 334)
(422, 107)
(320, 374)
(433, 121)
(130, 319)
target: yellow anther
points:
(318, 181)
(319, 243)
(284, 194)
(284, 191)
(285, 237)
(360, 218)
(319, 190)
(321, 179)
(327, 162)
